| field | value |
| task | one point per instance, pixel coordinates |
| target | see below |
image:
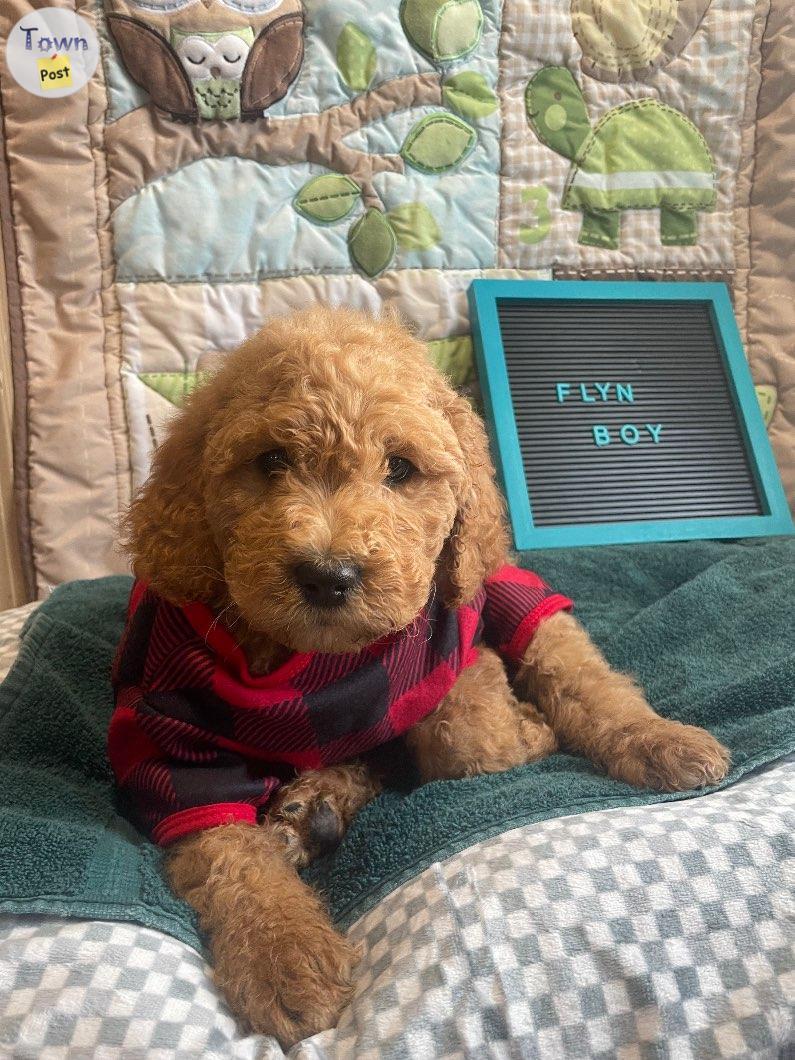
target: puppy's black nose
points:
(328, 584)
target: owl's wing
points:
(272, 65)
(153, 64)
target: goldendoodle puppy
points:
(322, 565)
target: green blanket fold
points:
(707, 628)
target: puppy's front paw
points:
(309, 826)
(670, 756)
(313, 812)
(537, 736)
(299, 979)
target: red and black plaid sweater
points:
(196, 740)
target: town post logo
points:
(52, 52)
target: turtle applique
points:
(642, 155)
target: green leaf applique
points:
(327, 198)
(414, 226)
(455, 358)
(469, 94)
(372, 243)
(438, 143)
(442, 30)
(356, 58)
(173, 386)
(767, 397)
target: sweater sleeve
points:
(172, 786)
(175, 777)
(517, 602)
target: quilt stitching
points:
(19, 343)
(112, 363)
(517, 38)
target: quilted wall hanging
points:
(229, 160)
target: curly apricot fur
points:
(340, 393)
(480, 727)
(276, 956)
(604, 715)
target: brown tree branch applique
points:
(209, 98)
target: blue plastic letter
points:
(601, 436)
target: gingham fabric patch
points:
(649, 932)
(84, 989)
(706, 84)
(664, 931)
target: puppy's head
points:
(321, 481)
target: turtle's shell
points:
(642, 154)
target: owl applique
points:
(214, 63)
(212, 59)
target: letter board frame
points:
(558, 522)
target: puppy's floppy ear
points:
(166, 530)
(478, 541)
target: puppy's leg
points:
(479, 727)
(604, 715)
(276, 956)
(313, 813)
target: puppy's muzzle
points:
(329, 583)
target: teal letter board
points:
(622, 412)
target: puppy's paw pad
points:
(310, 825)
(325, 827)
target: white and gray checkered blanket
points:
(648, 932)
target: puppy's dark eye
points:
(400, 470)
(273, 460)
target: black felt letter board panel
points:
(591, 458)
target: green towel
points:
(706, 627)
